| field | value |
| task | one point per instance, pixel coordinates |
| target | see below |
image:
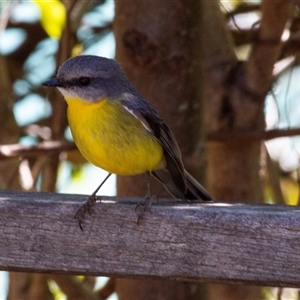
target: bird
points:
(116, 128)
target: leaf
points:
(53, 17)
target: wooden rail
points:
(227, 243)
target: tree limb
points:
(267, 46)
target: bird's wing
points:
(140, 109)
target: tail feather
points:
(194, 190)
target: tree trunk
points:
(158, 45)
(235, 94)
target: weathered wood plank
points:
(255, 244)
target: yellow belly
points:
(111, 138)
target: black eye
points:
(84, 81)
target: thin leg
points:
(141, 208)
(148, 186)
(99, 187)
(86, 206)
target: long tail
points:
(194, 190)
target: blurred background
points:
(37, 36)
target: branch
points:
(45, 148)
(252, 135)
(225, 243)
(56, 147)
(266, 48)
(107, 290)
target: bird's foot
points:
(144, 207)
(85, 207)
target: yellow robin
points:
(116, 129)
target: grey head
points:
(91, 78)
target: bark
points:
(9, 170)
(10, 131)
(158, 45)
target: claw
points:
(85, 207)
(146, 207)
(80, 225)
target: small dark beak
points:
(53, 82)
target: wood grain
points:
(217, 242)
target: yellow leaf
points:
(53, 16)
(290, 190)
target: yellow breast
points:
(111, 138)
